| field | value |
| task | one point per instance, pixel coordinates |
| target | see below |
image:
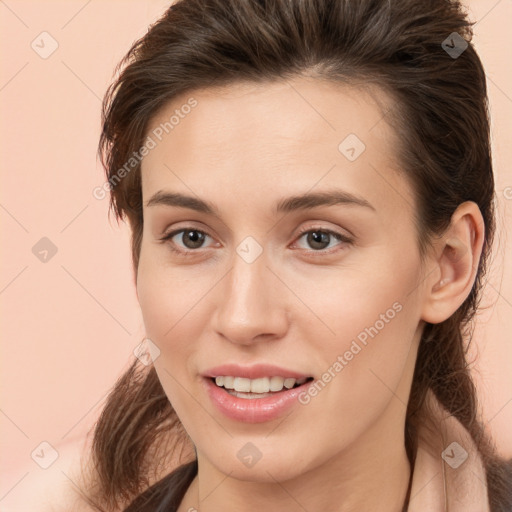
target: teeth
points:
(242, 384)
(276, 383)
(261, 385)
(229, 382)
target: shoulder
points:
(54, 489)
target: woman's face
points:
(324, 289)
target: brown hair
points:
(441, 117)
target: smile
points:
(255, 406)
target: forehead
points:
(288, 113)
(284, 137)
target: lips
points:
(256, 410)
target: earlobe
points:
(456, 262)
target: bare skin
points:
(244, 148)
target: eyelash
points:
(335, 234)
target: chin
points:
(271, 466)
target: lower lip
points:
(253, 410)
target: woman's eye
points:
(191, 239)
(320, 239)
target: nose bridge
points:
(249, 303)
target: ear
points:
(452, 268)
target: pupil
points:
(315, 237)
(196, 240)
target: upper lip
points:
(253, 372)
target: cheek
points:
(377, 318)
(166, 312)
(372, 351)
(175, 306)
(357, 303)
(157, 303)
(366, 351)
(167, 296)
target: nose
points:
(253, 303)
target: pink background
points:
(70, 324)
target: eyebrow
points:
(305, 201)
